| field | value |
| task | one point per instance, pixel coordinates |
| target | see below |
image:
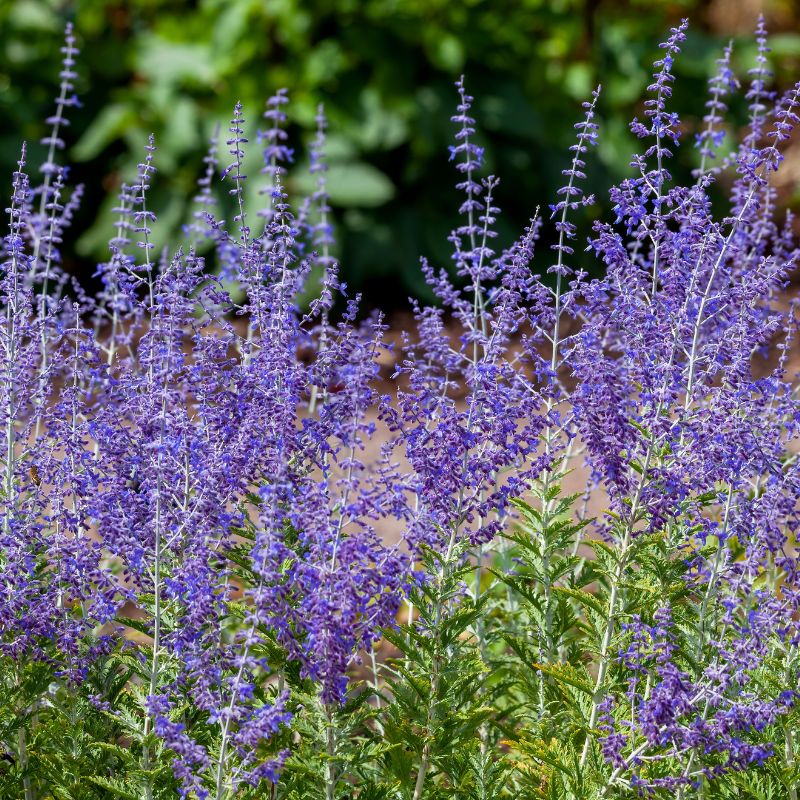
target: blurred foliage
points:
(384, 69)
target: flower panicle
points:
(67, 98)
(571, 194)
(234, 170)
(721, 84)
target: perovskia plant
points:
(199, 469)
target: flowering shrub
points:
(200, 596)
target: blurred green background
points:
(385, 71)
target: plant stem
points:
(789, 755)
(606, 645)
(22, 748)
(612, 607)
(436, 665)
(157, 565)
(330, 769)
(376, 688)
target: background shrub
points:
(384, 69)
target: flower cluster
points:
(255, 568)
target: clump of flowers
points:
(236, 564)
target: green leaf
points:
(108, 126)
(170, 62)
(586, 599)
(116, 788)
(353, 185)
(33, 16)
(566, 673)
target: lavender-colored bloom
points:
(679, 427)
(204, 201)
(710, 139)
(66, 99)
(236, 143)
(758, 94)
(233, 482)
(276, 153)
